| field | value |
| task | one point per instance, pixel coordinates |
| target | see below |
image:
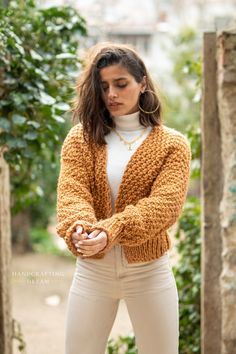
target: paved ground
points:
(40, 286)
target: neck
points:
(128, 122)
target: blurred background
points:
(42, 43)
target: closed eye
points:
(119, 85)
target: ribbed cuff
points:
(113, 228)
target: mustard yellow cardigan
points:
(150, 198)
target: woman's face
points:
(120, 90)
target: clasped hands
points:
(89, 244)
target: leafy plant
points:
(38, 61)
(123, 345)
(183, 101)
(188, 277)
(188, 271)
(18, 336)
(186, 112)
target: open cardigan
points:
(150, 197)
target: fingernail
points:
(80, 243)
(90, 236)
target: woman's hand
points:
(79, 235)
(89, 244)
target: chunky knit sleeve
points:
(74, 199)
(161, 209)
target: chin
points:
(116, 114)
(121, 112)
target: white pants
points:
(150, 293)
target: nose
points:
(112, 93)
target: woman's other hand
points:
(95, 242)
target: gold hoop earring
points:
(141, 109)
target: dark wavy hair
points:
(89, 107)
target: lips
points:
(114, 104)
(113, 107)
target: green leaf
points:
(5, 124)
(29, 154)
(39, 191)
(17, 99)
(20, 49)
(18, 119)
(5, 102)
(30, 136)
(46, 99)
(36, 125)
(10, 81)
(61, 106)
(41, 74)
(13, 142)
(66, 56)
(58, 119)
(35, 55)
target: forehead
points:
(114, 72)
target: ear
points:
(143, 84)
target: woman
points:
(123, 182)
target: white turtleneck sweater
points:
(129, 128)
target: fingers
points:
(95, 243)
(93, 234)
(89, 247)
(93, 238)
(89, 243)
(79, 235)
(79, 229)
(98, 242)
(76, 239)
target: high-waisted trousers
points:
(149, 290)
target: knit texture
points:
(150, 197)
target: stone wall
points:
(211, 190)
(226, 58)
(218, 186)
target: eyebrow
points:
(120, 78)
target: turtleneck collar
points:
(128, 122)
